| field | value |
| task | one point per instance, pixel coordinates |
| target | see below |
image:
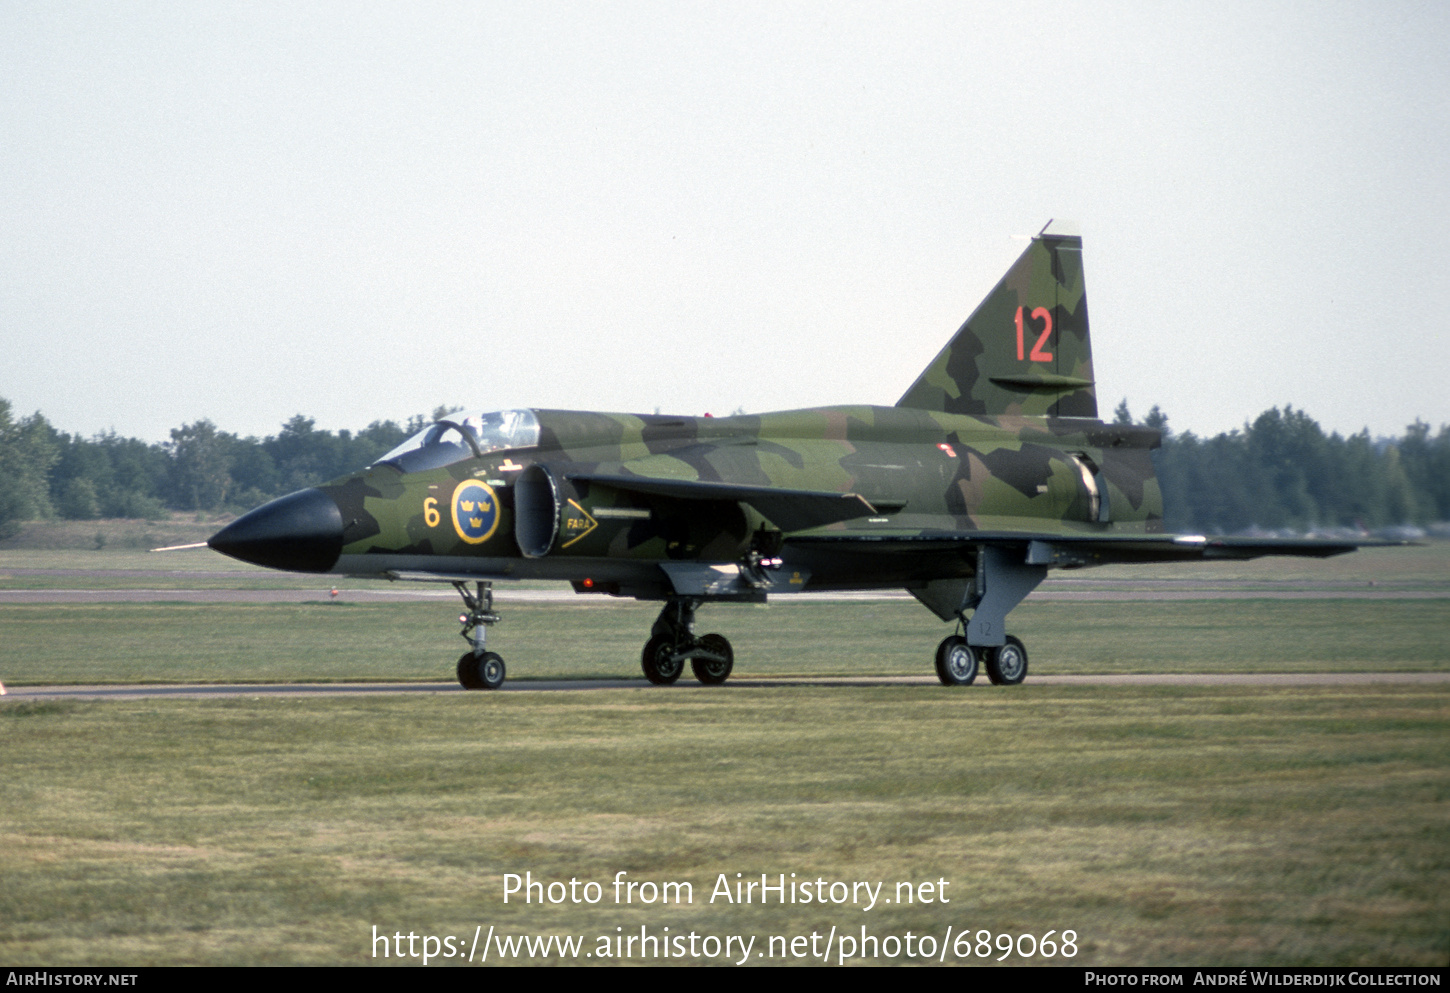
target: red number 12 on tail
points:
(1038, 355)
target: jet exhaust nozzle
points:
(300, 532)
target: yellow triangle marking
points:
(592, 525)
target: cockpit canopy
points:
(453, 440)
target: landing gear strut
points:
(672, 641)
(478, 669)
(1003, 578)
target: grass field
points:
(1232, 826)
(112, 534)
(174, 642)
(1238, 826)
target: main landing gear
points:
(956, 662)
(478, 669)
(1004, 576)
(672, 641)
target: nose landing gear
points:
(479, 669)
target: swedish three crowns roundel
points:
(475, 511)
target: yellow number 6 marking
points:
(430, 512)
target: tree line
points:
(1281, 471)
(47, 473)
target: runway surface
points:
(178, 691)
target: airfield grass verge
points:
(111, 533)
(1231, 826)
(175, 642)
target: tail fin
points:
(1025, 348)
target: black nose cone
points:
(300, 532)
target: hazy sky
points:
(244, 211)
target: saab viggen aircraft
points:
(991, 469)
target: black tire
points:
(956, 661)
(1007, 666)
(708, 671)
(659, 667)
(481, 673)
(468, 676)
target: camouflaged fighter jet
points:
(990, 470)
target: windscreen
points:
(461, 437)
